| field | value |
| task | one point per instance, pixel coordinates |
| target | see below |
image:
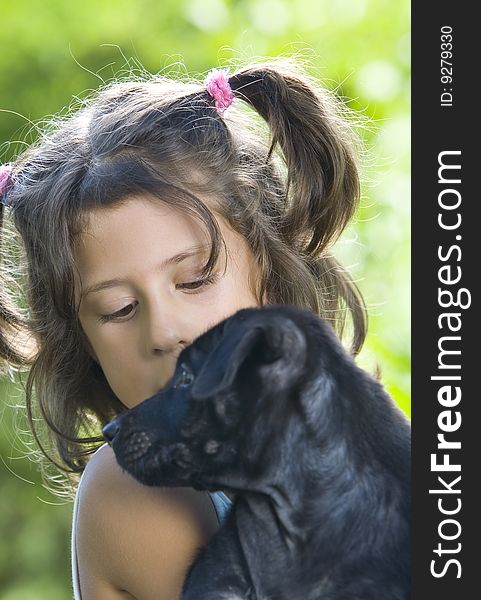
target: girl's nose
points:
(167, 329)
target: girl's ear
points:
(271, 341)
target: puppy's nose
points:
(110, 431)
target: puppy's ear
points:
(271, 343)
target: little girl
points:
(152, 213)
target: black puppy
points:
(269, 406)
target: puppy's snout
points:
(110, 431)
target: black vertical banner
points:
(446, 346)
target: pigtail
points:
(322, 178)
(323, 187)
(15, 347)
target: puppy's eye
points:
(185, 378)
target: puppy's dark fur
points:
(267, 405)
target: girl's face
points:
(143, 299)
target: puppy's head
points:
(211, 426)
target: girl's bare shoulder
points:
(134, 540)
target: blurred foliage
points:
(55, 51)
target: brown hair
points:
(290, 189)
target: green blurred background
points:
(53, 51)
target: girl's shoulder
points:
(133, 539)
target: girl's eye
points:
(123, 312)
(191, 285)
(195, 285)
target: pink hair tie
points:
(217, 84)
(6, 182)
